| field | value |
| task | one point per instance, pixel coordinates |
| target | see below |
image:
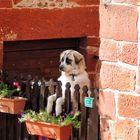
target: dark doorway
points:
(36, 57)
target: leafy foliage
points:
(44, 117)
(5, 91)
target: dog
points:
(73, 70)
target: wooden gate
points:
(37, 90)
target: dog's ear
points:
(62, 55)
(78, 58)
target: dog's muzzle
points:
(61, 67)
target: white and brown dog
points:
(73, 70)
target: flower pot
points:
(12, 105)
(48, 130)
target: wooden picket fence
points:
(37, 90)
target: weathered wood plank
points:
(93, 119)
(42, 100)
(76, 99)
(84, 116)
(33, 56)
(58, 90)
(35, 95)
(10, 127)
(67, 105)
(3, 126)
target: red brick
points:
(129, 54)
(5, 3)
(85, 2)
(1, 45)
(90, 42)
(126, 130)
(48, 23)
(108, 50)
(119, 22)
(92, 50)
(135, 2)
(117, 77)
(106, 135)
(104, 129)
(138, 81)
(91, 63)
(107, 104)
(129, 106)
(93, 41)
(138, 90)
(94, 79)
(16, 1)
(138, 76)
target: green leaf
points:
(44, 117)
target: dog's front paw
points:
(51, 99)
(59, 103)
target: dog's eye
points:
(68, 61)
(62, 59)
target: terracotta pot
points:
(12, 105)
(48, 130)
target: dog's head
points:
(72, 62)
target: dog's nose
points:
(61, 67)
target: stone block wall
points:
(119, 98)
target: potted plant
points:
(50, 126)
(10, 103)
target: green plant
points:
(44, 117)
(5, 91)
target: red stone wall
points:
(38, 23)
(6, 4)
(119, 99)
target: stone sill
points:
(12, 3)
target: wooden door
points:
(36, 57)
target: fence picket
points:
(76, 99)
(37, 91)
(35, 95)
(93, 119)
(3, 126)
(58, 90)
(84, 116)
(42, 100)
(67, 106)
